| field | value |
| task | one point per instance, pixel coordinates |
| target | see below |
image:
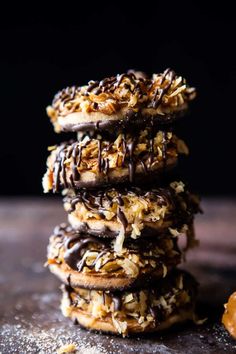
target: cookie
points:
(85, 261)
(94, 162)
(121, 102)
(137, 211)
(171, 301)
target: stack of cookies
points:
(118, 254)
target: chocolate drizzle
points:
(130, 148)
(121, 217)
(160, 92)
(117, 301)
(164, 149)
(74, 250)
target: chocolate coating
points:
(132, 120)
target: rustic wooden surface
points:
(30, 320)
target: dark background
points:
(43, 51)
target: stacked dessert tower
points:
(117, 256)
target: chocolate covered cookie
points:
(95, 162)
(171, 301)
(85, 261)
(121, 102)
(134, 211)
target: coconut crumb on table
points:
(67, 348)
(72, 348)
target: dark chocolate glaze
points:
(157, 99)
(131, 121)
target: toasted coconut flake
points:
(178, 186)
(174, 232)
(128, 298)
(118, 246)
(136, 230)
(51, 148)
(121, 326)
(176, 92)
(149, 318)
(199, 321)
(143, 302)
(129, 267)
(47, 182)
(180, 282)
(164, 270)
(163, 302)
(182, 147)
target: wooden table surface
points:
(30, 319)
